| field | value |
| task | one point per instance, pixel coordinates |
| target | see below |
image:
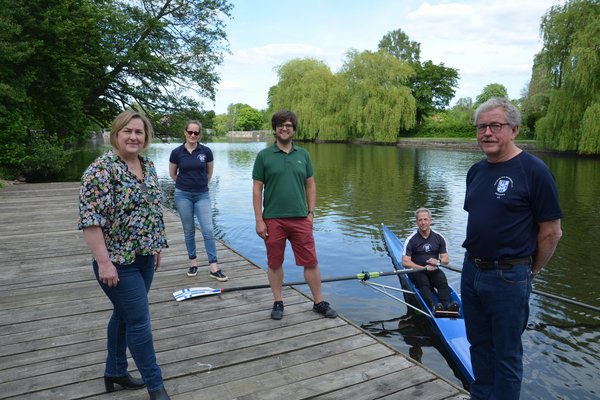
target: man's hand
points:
(261, 229)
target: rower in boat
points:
(427, 248)
(449, 328)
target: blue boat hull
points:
(451, 331)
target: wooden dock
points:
(53, 319)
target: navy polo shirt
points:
(191, 168)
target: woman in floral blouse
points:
(121, 216)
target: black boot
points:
(127, 381)
(160, 394)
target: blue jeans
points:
(188, 205)
(496, 308)
(129, 325)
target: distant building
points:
(255, 136)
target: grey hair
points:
(513, 116)
(421, 210)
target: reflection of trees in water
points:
(417, 333)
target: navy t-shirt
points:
(505, 202)
(420, 249)
(191, 168)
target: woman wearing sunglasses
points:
(191, 167)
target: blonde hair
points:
(122, 120)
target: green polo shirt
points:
(284, 178)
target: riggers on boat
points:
(450, 327)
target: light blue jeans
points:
(496, 308)
(190, 205)
(129, 325)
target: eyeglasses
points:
(281, 126)
(193, 133)
(495, 127)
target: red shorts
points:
(299, 231)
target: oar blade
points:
(188, 293)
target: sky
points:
(487, 41)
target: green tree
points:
(398, 44)
(464, 107)
(570, 56)
(46, 69)
(248, 119)
(304, 86)
(172, 124)
(233, 111)
(433, 86)
(220, 124)
(489, 91)
(379, 101)
(67, 65)
(536, 96)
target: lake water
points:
(359, 187)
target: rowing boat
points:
(449, 328)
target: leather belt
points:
(505, 263)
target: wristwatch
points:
(311, 212)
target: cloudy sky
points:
(488, 41)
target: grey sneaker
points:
(324, 308)
(277, 312)
(192, 271)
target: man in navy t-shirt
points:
(426, 248)
(512, 231)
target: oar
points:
(188, 293)
(382, 289)
(549, 295)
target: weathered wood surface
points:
(53, 320)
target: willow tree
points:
(536, 96)
(571, 36)
(303, 87)
(379, 102)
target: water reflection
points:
(360, 187)
(414, 329)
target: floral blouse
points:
(128, 211)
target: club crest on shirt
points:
(202, 157)
(427, 247)
(503, 184)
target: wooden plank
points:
(53, 320)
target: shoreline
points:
(456, 144)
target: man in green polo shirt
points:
(283, 174)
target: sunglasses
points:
(193, 133)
